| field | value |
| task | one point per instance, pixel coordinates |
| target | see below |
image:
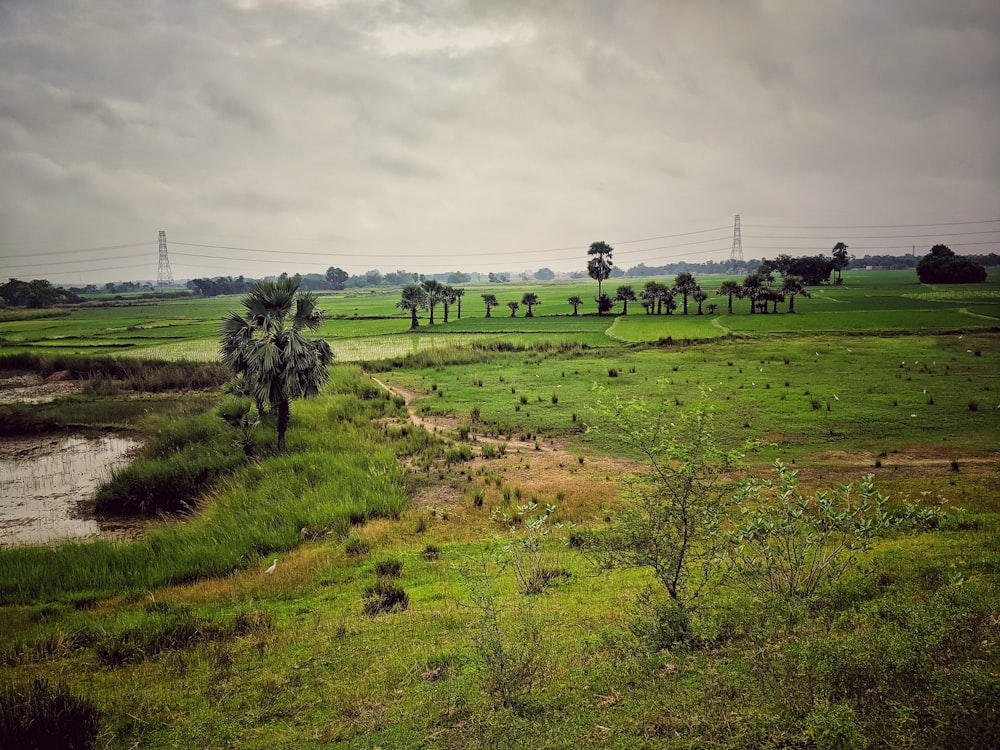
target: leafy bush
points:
(788, 544)
(40, 716)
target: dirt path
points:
(579, 484)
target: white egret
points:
(272, 566)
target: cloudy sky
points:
(292, 135)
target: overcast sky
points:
(438, 135)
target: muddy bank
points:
(33, 389)
(46, 483)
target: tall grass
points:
(339, 471)
(130, 374)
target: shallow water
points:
(43, 482)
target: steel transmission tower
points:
(164, 275)
(737, 253)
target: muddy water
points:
(43, 482)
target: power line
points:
(79, 250)
(872, 226)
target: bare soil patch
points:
(33, 389)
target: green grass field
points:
(180, 639)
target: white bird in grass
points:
(836, 397)
(272, 566)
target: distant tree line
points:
(37, 293)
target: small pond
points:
(44, 481)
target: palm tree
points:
(490, 300)
(754, 286)
(435, 294)
(448, 299)
(730, 289)
(699, 296)
(625, 294)
(514, 307)
(666, 299)
(840, 260)
(530, 299)
(576, 302)
(413, 298)
(274, 362)
(685, 285)
(459, 292)
(792, 286)
(599, 265)
(653, 292)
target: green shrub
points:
(389, 568)
(355, 546)
(40, 716)
(835, 727)
(384, 596)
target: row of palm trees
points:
(656, 298)
(427, 295)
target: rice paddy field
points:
(442, 465)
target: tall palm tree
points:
(267, 349)
(576, 302)
(625, 294)
(792, 286)
(435, 293)
(458, 293)
(490, 300)
(730, 289)
(754, 286)
(685, 285)
(599, 265)
(448, 299)
(529, 300)
(514, 307)
(412, 298)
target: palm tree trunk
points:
(413, 318)
(730, 304)
(284, 413)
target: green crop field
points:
(406, 523)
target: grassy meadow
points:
(401, 522)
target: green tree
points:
(412, 298)
(792, 286)
(576, 302)
(435, 293)
(458, 293)
(754, 287)
(490, 300)
(448, 299)
(336, 277)
(599, 265)
(273, 360)
(699, 296)
(685, 286)
(604, 304)
(730, 289)
(514, 307)
(529, 300)
(840, 260)
(625, 294)
(942, 266)
(671, 525)
(544, 274)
